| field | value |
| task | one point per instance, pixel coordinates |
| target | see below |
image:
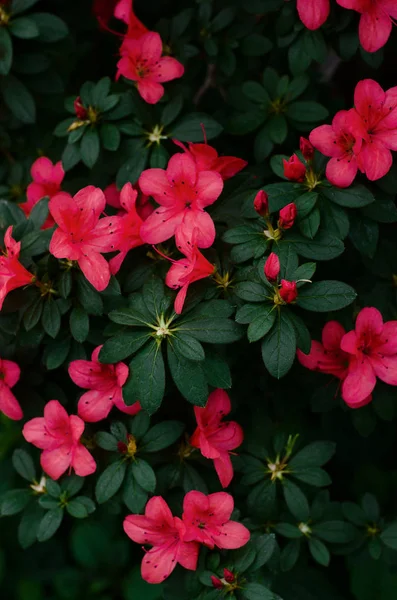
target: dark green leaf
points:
(23, 464)
(319, 552)
(110, 481)
(49, 524)
(279, 346)
(144, 475)
(147, 378)
(188, 377)
(162, 435)
(79, 324)
(325, 296)
(296, 500)
(355, 196)
(18, 99)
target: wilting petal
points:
(232, 535)
(359, 382)
(55, 462)
(83, 463)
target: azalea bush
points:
(198, 318)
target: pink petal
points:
(142, 530)
(159, 562)
(181, 169)
(207, 449)
(349, 342)
(187, 555)
(95, 405)
(159, 512)
(359, 5)
(387, 137)
(55, 462)
(390, 7)
(219, 402)
(313, 13)
(209, 187)
(64, 210)
(359, 382)
(35, 432)
(224, 469)
(105, 236)
(76, 427)
(232, 535)
(387, 343)
(228, 166)
(10, 371)
(369, 322)
(123, 10)
(122, 372)
(96, 270)
(200, 220)
(128, 197)
(374, 29)
(88, 374)
(116, 262)
(55, 416)
(83, 463)
(228, 437)
(9, 405)
(369, 99)
(131, 410)
(332, 335)
(222, 505)
(150, 91)
(42, 170)
(167, 69)
(91, 202)
(112, 195)
(151, 46)
(341, 171)
(180, 299)
(161, 225)
(34, 193)
(61, 247)
(385, 367)
(154, 182)
(194, 502)
(324, 139)
(376, 159)
(58, 173)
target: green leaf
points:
(106, 440)
(264, 545)
(279, 346)
(306, 112)
(24, 28)
(188, 377)
(39, 213)
(51, 318)
(18, 99)
(55, 353)
(355, 196)
(189, 128)
(255, 92)
(144, 475)
(216, 370)
(18, 6)
(319, 552)
(212, 330)
(134, 496)
(290, 555)
(315, 454)
(110, 481)
(70, 156)
(334, 531)
(256, 591)
(310, 224)
(277, 129)
(53, 488)
(162, 435)
(29, 525)
(171, 110)
(252, 292)
(147, 379)
(288, 530)
(110, 137)
(314, 476)
(123, 345)
(49, 524)
(389, 536)
(5, 51)
(23, 464)
(296, 500)
(281, 194)
(90, 147)
(323, 247)
(119, 430)
(364, 233)
(371, 507)
(325, 296)
(32, 314)
(262, 323)
(133, 167)
(186, 346)
(88, 297)
(79, 324)
(77, 509)
(13, 502)
(51, 27)
(255, 44)
(72, 484)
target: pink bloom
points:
(112, 195)
(143, 206)
(47, 179)
(306, 148)
(272, 267)
(207, 159)
(165, 534)
(79, 108)
(82, 235)
(105, 383)
(13, 274)
(342, 141)
(182, 192)
(58, 435)
(207, 521)
(141, 61)
(294, 169)
(373, 349)
(375, 21)
(187, 270)
(9, 376)
(261, 203)
(287, 216)
(215, 437)
(313, 13)
(378, 112)
(288, 291)
(130, 224)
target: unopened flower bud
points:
(287, 216)
(288, 291)
(294, 169)
(261, 203)
(306, 148)
(272, 267)
(228, 576)
(217, 583)
(122, 447)
(79, 109)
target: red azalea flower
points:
(58, 435)
(81, 234)
(207, 159)
(207, 521)
(288, 291)
(9, 376)
(141, 61)
(164, 533)
(272, 267)
(313, 13)
(215, 437)
(182, 192)
(261, 203)
(13, 274)
(105, 383)
(47, 178)
(375, 21)
(294, 169)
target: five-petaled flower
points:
(165, 533)
(9, 376)
(13, 274)
(182, 192)
(207, 520)
(47, 178)
(215, 437)
(81, 234)
(375, 22)
(141, 61)
(105, 383)
(58, 435)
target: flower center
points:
(305, 529)
(156, 136)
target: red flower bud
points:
(79, 109)
(294, 169)
(121, 447)
(288, 291)
(306, 148)
(272, 267)
(287, 216)
(228, 576)
(217, 583)
(261, 203)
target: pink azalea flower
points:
(182, 192)
(58, 435)
(313, 13)
(144, 208)
(13, 274)
(375, 21)
(9, 376)
(47, 179)
(165, 534)
(207, 521)
(105, 383)
(112, 195)
(342, 141)
(378, 112)
(207, 159)
(372, 347)
(82, 235)
(141, 61)
(216, 438)
(187, 270)
(130, 224)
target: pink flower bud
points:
(306, 148)
(287, 216)
(294, 169)
(228, 576)
(217, 583)
(79, 109)
(272, 267)
(288, 291)
(261, 203)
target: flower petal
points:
(223, 467)
(342, 171)
(376, 159)
(221, 505)
(332, 335)
(95, 405)
(96, 270)
(232, 535)
(369, 322)
(374, 29)
(83, 463)
(55, 462)
(385, 368)
(359, 382)
(9, 405)
(313, 13)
